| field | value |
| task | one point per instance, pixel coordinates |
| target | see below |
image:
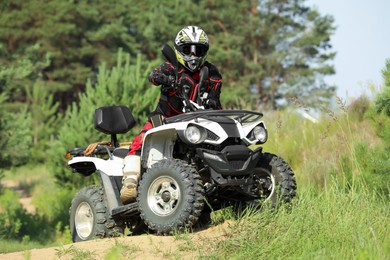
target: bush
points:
(17, 224)
(12, 214)
(359, 107)
(383, 99)
(15, 138)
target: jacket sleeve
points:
(160, 75)
(215, 80)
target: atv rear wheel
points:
(274, 181)
(89, 216)
(170, 196)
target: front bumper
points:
(232, 161)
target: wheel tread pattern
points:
(193, 197)
(105, 226)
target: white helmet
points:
(191, 47)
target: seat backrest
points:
(114, 119)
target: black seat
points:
(114, 120)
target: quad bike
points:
(193, 163)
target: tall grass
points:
(336, 224)
(342, 210)
(338, 145)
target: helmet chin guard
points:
(193, 64)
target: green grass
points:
(7, 246)
(336, 224)
(341, 212)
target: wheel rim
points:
(163, 196)
(84, 220)
(266, 184)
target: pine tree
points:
(125, 84)
(78, 36)
(275, 49)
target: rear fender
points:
(88, 165)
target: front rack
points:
(243, 116)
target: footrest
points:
(126, 210)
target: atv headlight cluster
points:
(259, 133)
(195, 134)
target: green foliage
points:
(15, 137)
(10, 220)
(122, 251)
(375, 165)
(125, 84)
(51, 215)
(16, 223)
(55, 207)
(341, 145)
(21, 70)
(28, 126)
(272, 50)
(383, 98)
(11, 245)
(44, 118)
(359, 107)
(381, 118)
(341, 211)
(335, 224)
(79, 36)
(75, 253)
(382, 124)
(1, 177)
(266, 50)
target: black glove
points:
(210, 103)
(168, 80)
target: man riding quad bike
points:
(188, 164)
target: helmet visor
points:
(197, 50)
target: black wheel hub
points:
(166, 196)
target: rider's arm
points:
(215, 80)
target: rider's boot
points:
(131, 174)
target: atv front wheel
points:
(89, 216)
(274, 181)
(170, 196)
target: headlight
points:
(260, 133)
(195, 134)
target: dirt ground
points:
(186, 246)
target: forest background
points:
(60, 60)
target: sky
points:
(362, 43)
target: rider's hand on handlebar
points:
(210, 103)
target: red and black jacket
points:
(169, 103)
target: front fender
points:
(158, 144)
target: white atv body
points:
(192, 162)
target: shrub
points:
(15, 138)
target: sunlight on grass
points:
(331, 225)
